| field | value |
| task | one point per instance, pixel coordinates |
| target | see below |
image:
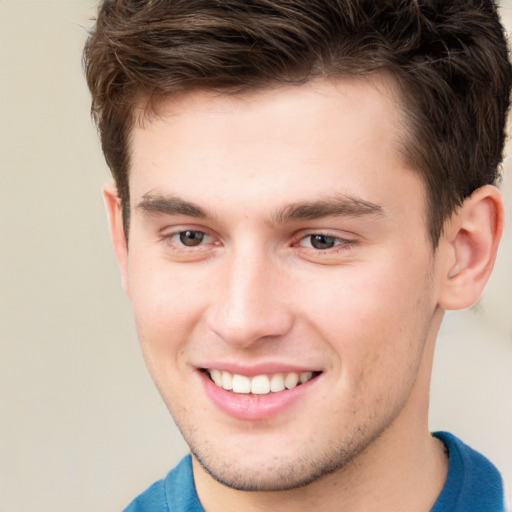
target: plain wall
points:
(81, 426)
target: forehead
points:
(326, 136)
(378, 94)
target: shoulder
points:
(152, 499)
(472, 481)
(174, 493)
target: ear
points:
(469, 245)
(115, 222)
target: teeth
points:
(259, 385)
(305, 376)
(291, 380)
(277, 383)
(241, 384)
(227, 381)
(216, 376)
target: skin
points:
(256, 291)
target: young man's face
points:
(276, 236)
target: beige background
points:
(81, 427)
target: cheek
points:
(373, 316)
(167, 305)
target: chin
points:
(276, 475)
(272, 472)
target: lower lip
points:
(254, 407)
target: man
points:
(302, 188)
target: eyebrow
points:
(337, 206)
(170, 205)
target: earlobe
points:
(470, 243)
(115, 221)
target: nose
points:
(252, 303)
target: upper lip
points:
(253, 370)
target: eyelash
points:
(180, 245)
(340, 244)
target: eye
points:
(186, 244)
(190, 238)
(320, 242)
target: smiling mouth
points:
(259, 384)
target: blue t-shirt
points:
(473, 484)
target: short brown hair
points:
(448, 58)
